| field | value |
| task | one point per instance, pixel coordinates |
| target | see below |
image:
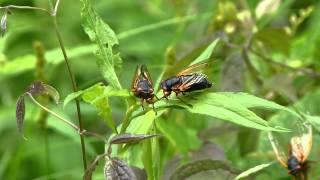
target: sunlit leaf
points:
(205, 55)
(100, 33)
(71, 97)
(116, 169)
(130, 138)
(225, 108)
(253, 170)
(141, 124)
(266, 7)
(20, 112)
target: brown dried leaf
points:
(115, 169)
(39, 87)
(20, 112)
(131, 138)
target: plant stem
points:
(25, 7)
(81, 132)
(73, 82)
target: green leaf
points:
(71, 97)
(219, 169)
(251, 101)
(178, 138)
(100, 33)
(95, 96)
(253, 170)
(141, 124)
(225, 108)
(205, 55)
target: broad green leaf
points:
(218, 169)
(184, 139)
(95, 96)
(205, 55)
(141, 124)
(253, 170)
(251, 101)
(225, 108)
(100, 33)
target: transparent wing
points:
(136, 77)
(280, 154)
(301, 145)
(193, 69)
(146, 74)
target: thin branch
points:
(307, 71)
(81, 132)
(54, 13)
(25, 7)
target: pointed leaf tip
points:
(131, 138)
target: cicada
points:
(142, 86)
(187, 80)
(295, 161)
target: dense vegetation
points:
(67, 70)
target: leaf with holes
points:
(105, 39)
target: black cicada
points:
(187, 80)
(142, 86)
(300, 148)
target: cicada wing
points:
(280, 154)
(301, 145)
(136, 78)
(146, 74)
(193, 69)
(195, 78)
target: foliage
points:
(262, 61)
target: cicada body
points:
(142, 86)
(300, 147)
(187, 80)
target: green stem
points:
(73, 82)
(25, 7)
(81, 132)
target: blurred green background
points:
(266, 48)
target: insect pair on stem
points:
(187, 80)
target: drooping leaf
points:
(20, 112)
(39, 87)
(218, 169)
(116, 169)
(92, 167)
(105, 38)
(205, 55)
(142, 124)
(52, 92)
(253, 170)
(130, 138)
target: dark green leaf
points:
(130, 138)
(20, 112)
(220, 169)
(116, 169)
(100, 33)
